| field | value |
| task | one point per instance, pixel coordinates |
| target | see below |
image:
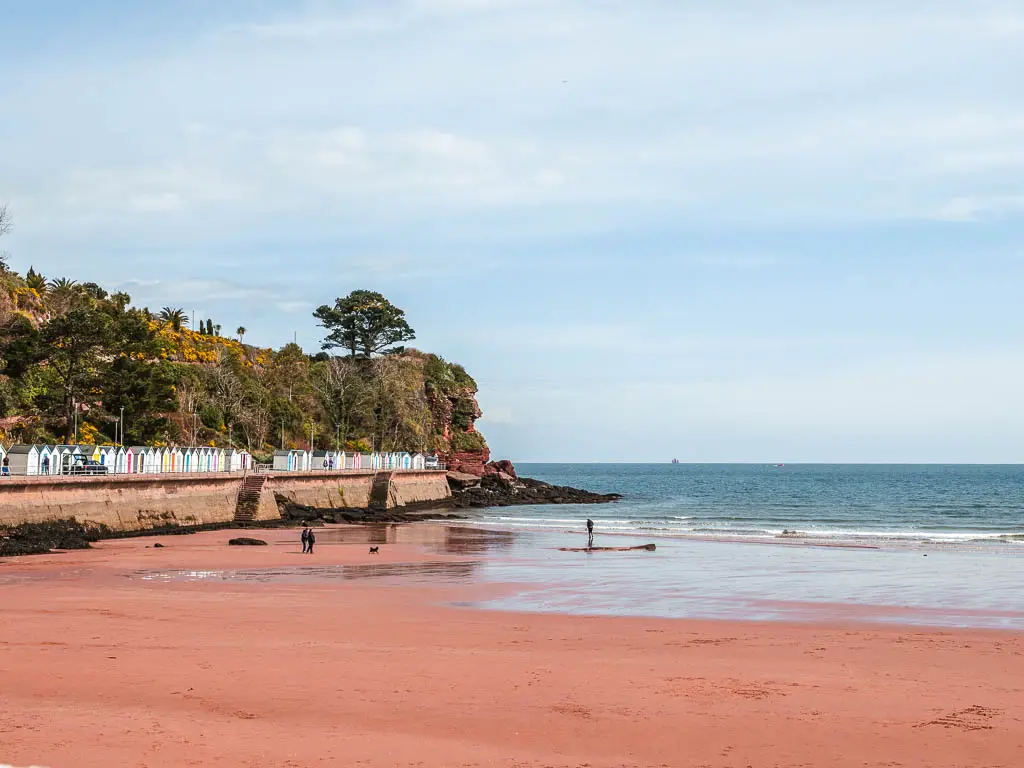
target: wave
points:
(689, 527)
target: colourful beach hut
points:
(47, 466)
(135, 459)
(219, 457)
(23, 459)
(108, 457)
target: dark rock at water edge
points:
(242, 541)
(503, 490)
(41, 538)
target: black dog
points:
(374, 550)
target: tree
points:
(209, 327)
(36, 281)
(176, 317)
(364, 322)
(241, 332)
(216, 329)
(75, 346)
(64, 295)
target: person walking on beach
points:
(305, 540)
(310, 541)
(590, 533)
(7, 467)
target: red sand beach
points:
(97, 669)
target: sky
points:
(730, 231)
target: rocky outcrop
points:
(500, 490)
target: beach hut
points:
(108, 457)
(24, 459)
(211, 459)
(120, 461)
(192, 458)
(244, 460)
(61, 456)
(202, 454)
(419, 461)
(166, 457)
(219, 457)
(282, 461)
(205, 459)
(89, 451)
(320, 460)
(134, 459)
(298, 461)
(47, 465)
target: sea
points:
(877, 504)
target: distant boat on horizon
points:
(675, 461)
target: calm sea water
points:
(878, 503)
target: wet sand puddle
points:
(384, 573)
(438, 539)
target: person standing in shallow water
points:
(590, 533)
(305, 540)
(310, 541)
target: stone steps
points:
(249, 493)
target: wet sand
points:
(131, 656)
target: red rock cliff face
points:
(461, 446)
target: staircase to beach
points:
(248, 504)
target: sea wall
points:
(320, 490)
(139, 502)
(413, 487)
(124, 503)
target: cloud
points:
(973, 209)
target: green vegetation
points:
(364, 323)
(73, 356)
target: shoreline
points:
(394, 670)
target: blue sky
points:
(720, 232)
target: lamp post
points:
(195, 427)
(121, 427)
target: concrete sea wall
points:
(124, 503)
(139, 502)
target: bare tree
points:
(343, 394)
(5, 220)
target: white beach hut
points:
(23, 459)
(319, 460)
(245, 460)
(282, 461)
(419, 461)
(120, 461)
(61, 455)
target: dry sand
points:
(97, 669)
